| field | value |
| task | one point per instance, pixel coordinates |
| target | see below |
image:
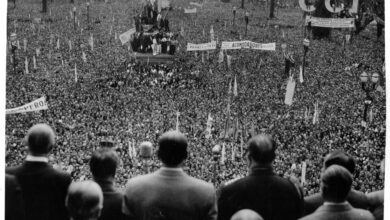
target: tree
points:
(272, 9)
(44, 6)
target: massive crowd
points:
(119, 100)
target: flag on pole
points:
(75, 73)
(202, 57)
(91, 42)
(229, 61)
(220, 58)
(58, 43)
(25, 44)
(241, 144)
(223, 154)
(290, 92)
(177, 121)
(316, 113)
(230, 87)
(235, 92)
(303, 174)
(300, 74)
(84, 57)
(371, 116)
(211, 33)
(37, 52)
(227, 120)
(70, 45)
(130, 149)
(233, 153)
(18, 43)
(306, 114)
(203, 32)
(34, 62)
(208, 126)
(26, 66)
(116, 36)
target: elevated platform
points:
(157, 59)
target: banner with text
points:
(125, 37)
(330, 22)
(196, 4)
(190, 11)
(202, 47)
(36, 105)
(234, 45)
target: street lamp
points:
(369, 83)
(216, 151)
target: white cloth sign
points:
(234, 45)
(190, 11)
(125, 37)
(196, 4)
(202, 47)
(330, 22)
(290, 92)
(36, 105)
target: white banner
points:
(190, 11)
(125, 37)
(303, 173)
(36, 105)
(331, 22)
(234, 45)
(289, 92)
(202, 47)
(196, 4)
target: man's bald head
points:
(40, 139)
(246, 214)
(172, 148)
(84, 200)
(262, 149)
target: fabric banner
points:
(303, 173)
(234, 45)
(196, 4)
(190, 10)
(125, 37)
(36, 105)
(330, 22)
(202, 47)
(290, 92)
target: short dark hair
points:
(103, 163)
(336, 182)
(262, 149)
(40, 139)
(340, 158)
(84, 200)
(172, 148)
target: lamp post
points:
(234, 15)
(246, 22)
(14, 47)
(369, 83)
(216, 151)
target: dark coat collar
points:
(261, 171)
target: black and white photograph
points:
(193, 110)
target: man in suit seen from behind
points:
(169, 193)
(103, 165)
(44, 188)
(271, 196)
(356, 198)
(336, 182)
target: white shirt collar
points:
(32, 158)
(172, 169)
(335, 203)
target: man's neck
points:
(335, 203)
(36, 158)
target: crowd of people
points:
(129, 104)
(36, 190)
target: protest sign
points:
(234, 45)
(36, 105)
(202, 47)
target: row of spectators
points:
(35, 190)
